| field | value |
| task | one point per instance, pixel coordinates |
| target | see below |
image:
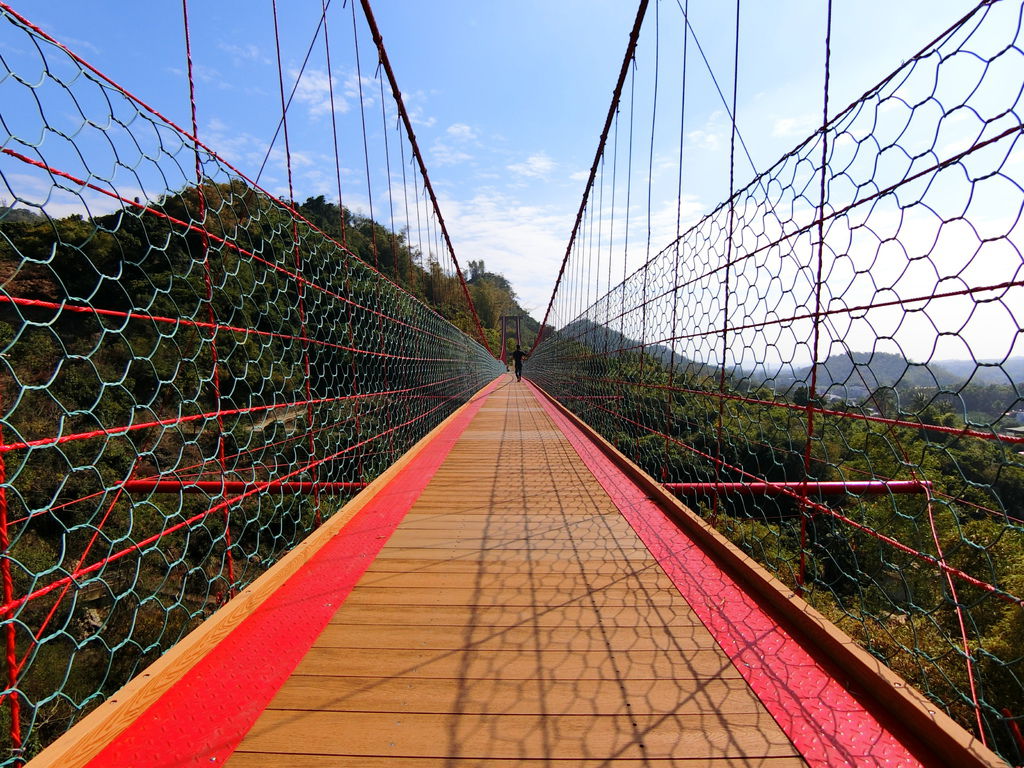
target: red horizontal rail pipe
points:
(826, 488)
(234, 486)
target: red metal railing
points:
(191, 378)
(829, 365)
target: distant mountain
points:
(601, 338)
(856, 374)
(11, 215)
(850, 376)
(987, 371)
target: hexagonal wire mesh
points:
(828, 366)
(194, 373)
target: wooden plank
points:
(514, 579)
(674, 639)
(585, 528)
(633, 557)
(516, 737)
(577, 615)
(610, 597)
(514, 618)
(501, 696)
(528, 523)
(610, 569)
(526, 544)
(924, 730)
(515, 664)
(276, 760)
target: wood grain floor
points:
(514, 618)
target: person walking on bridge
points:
(517, 359)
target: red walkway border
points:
(798, 685)
(201, 718)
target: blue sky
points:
(508, 98)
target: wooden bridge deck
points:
(514, 618)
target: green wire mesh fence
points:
(193, 373)
(829, 366)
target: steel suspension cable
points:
(634, 36)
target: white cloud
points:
(712, 136)
(314, 90)
(442, 154)
(242, 53)
(799, 127)
(416, 118)
(369, 87)
(701, 139)
(461, 131)
(523, 242)
(243, 150)
(535, 166)
(77, 44)
(36, 191)
(580, 175)
(414, 107)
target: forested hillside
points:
(260, 349)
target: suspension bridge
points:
(269, 495)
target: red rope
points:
(952, 431)
(67, 587)
(228, 244)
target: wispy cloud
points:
(242, 54)
(442, 154)
(414, 106)
(535, 166)
(702, 139)
(799, 127)
(452, 151)
(76, 44)
(461, 131)
(369, 88)
(314, 90)
(523, 242)
(712, 136)
(416, 117)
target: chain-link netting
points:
(829, 365)
(193, 373)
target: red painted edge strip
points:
(203, 717)
(823, 720)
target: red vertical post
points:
(812, 391)
(669, 396)
(211, 315)
(10, 637)
(297, 257)
(344, 240)
(728, 262)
